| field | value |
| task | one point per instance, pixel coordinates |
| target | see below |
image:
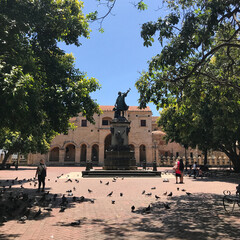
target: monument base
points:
(120, 160)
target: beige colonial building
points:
(88, 142)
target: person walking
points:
(177, 171)
(195, 170)
(41, 173)
(181, 168)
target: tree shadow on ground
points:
(9, 236)
(219, 176)
(19, 201)
(198, 216)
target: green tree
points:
(40, 89)
(196, 74)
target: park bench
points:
(230, 201)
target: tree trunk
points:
(236, 163)
(205, 157)
(7, 155)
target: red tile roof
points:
(131, 108)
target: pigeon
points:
(81, 199)
(23, 219)
(89, 190)
(121, 194)
(69, 191)
(38, 213)
(48, 179)
(113, 201)
(22, 186)
(55, 180)
(183, 190)
(48, 208)
(153, 188)
(148, 208)
(74, 199)
(74, 189)
(165, 193)
(133, 208)
(122, 178)
(100, 181)
(188, 193)
(157, 197)
(170, 194)
(70, 194)
(110, 194)
(166, 206)
(148, 194)
(62, 209)
(107, 183)
(64, 200)
(143, 191)
(92, 200)
(54, 197)
(178, 188)
(75, 223)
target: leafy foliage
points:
(40, 89)
(195, 77)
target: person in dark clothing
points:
(41, 173)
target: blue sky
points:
(117, 56)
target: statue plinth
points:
(119, 155)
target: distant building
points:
(88, 142)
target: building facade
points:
(88, 142)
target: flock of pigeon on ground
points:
(22, 204)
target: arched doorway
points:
(132, 148)
(83, 156)
(54, 155)
(142, 150)
(69, 153)
(107, 143)
(95, 154)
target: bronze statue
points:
(120, 105)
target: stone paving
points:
(197, 216)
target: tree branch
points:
(204, 58)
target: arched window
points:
(54, 155)
(142, 150)
(95, 153)
(70, 153)
(132, 148)
(106, 121)
(107, 143)
(83, 157)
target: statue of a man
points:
(120, 105)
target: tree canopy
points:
(195, 77)
(187, 35)
(40, 89)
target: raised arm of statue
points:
(125, 94)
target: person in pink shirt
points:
(179, 167)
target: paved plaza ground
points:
(199, 215)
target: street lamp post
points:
(155, 156)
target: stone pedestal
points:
(119, 156)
